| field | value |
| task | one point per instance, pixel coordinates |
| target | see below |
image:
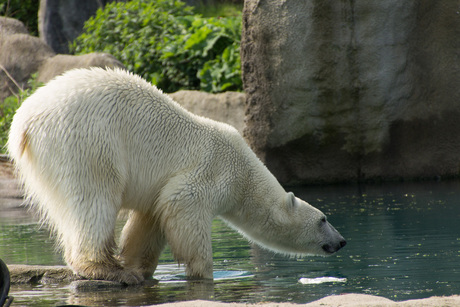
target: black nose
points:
(332, 248)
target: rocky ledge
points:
(48, 275)
(61, 275)
(345, 300)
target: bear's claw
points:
(110, 273)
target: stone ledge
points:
(46, 275)
(21, 274)
(344, 300)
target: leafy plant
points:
(133, 32)
(164, 42)
(219, 8)
(9, 106)
(206, 56)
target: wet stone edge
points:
(62, 275)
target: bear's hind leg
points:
(87, 231)
(142, 242)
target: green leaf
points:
(166, 43)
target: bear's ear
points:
(291, 199)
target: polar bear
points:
(93, 141)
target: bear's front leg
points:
(188, 233)
(142, 242)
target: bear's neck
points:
(261, 194)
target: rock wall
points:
(61, 21)
(225, 107)
(21, 55)
(353, 90)
(60, 63)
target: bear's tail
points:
(18, 141)
(20, 152)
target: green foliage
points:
(24, 10)
(9, 106)
(164, 42)
(206, 56)
(7, 109)
(132, 32)
(220, 9)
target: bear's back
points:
(97, 100)
(89, 112)
(85, 92)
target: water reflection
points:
(144, 295)
(403, 243)
(404, 238)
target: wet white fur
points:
(93, 142)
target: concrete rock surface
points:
(64, 276)
(345, 300)
(60, 63)
(24, 274)
(353, 90)
(11, 26)
(60, 22)
(225, 107)
(21, 55)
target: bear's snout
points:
(332, 248)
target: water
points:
(403, 243)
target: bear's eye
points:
(323, 220)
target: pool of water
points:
(403, 243)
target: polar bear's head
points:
(290, 226)
(311, 233)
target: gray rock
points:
(225, 107)
(10, 26)
(63, 276)
(94, 285)
(60, 63)
(21, 55)
(354, 90)
(61, 21)
(22, 274)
